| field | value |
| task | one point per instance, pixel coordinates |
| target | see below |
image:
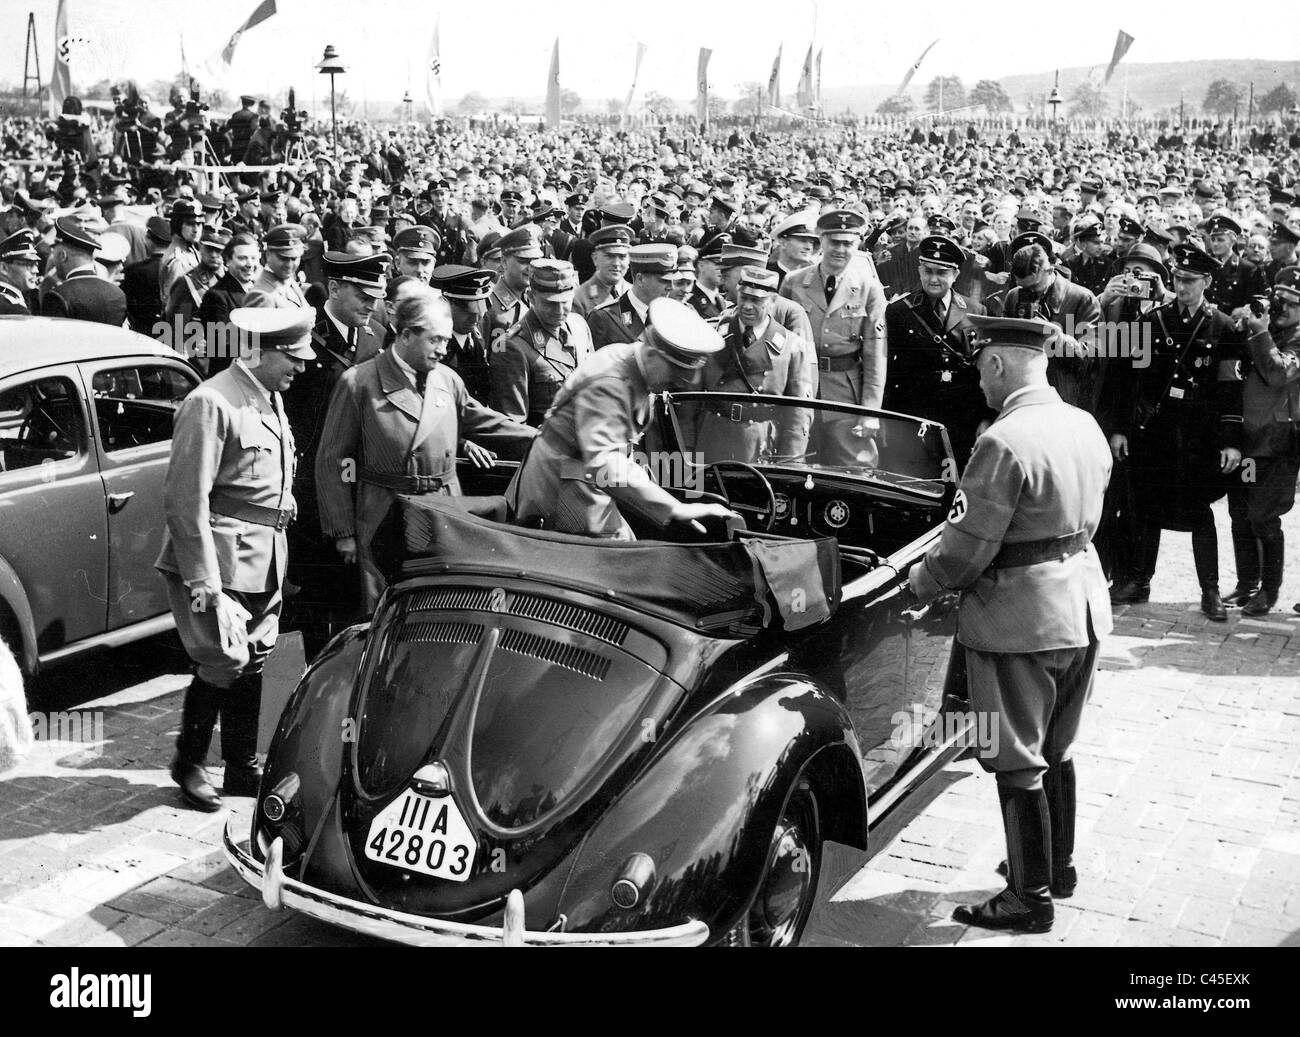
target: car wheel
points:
(784, 898)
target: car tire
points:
(785, 893)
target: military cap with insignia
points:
(185, 209)
(1028, 219)
(73, 233)
(158, 230)
(463, 282)
(615, 238)
(1130, 226)
(1158, 237)
(19, 247)
(1187, 258)
(1219, 223)
(209, 202)
(1283, 234)
(940, 250)
(722, 203)
(511, 195)
(247, 99)
(270, 197)
(368, 273)
(941, 224)
(797, 225)
(617, 212)
(522, 243)
(577, 198)
(1033, 237)
(713, 249)
(489, 246)
(552, 280)
(841, 221)
(1286, 285)
(1280, 195)
(734, 255)
(284, 329)
(215, 237)
(1090, 185)
(1087, 230)
(1018, 332)
(418, 241)
(680, 334)
(286, 239)
(758, 281)
(113, 248)
(653, 259)
(247, 196)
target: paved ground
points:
(1189, 828)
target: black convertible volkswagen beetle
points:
(551, 740)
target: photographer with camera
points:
(1236, 283)
(1271, 408)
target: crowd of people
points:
(482, 290)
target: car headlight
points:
(635, 881)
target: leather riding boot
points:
(1246, 551)
(1059, 787)
(1262, 602)
(239, 711)
(1026, 904)
(198, 716)
(1136, 589)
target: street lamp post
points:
(330, 65)
(407, 112)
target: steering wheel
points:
(717, 466)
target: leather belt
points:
(232, 507)
(839, 363)
(1031, 552)
(737, 412)
(405, 483)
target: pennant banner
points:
(774, 80)
(805, 92)
(433, 73)
(636, 74)
(61, 81)
(264, 11)
(702, 87)
(912, 71)
(1122, 43)
(817, 92)
(553, 89)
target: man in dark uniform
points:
(246, 219)
(705, 297)
(227, 500)
(20, 271)
(1236, 283)
(543, 349)
(580, 254)
(623, 319)
(81, 294)
(929, 373)
(898, 266)
(796, 243)
(327, 597)
(187, 291)
(1033, 606)
(1179, 429)
(575, 206)
(722, 214)
(1091, 268)
(456, 242)
(1271, 408)
(140, 280)
(240, 127)
(467, 289)
(1282, 242)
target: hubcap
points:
(783, 900)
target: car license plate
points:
(424, 834)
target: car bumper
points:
(417, 930)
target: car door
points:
(53, 527)
(134, 403)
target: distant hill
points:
(1156, 87)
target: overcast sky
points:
(502, 47)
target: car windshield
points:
(812, 435)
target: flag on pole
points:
(553, 89)
(61, 81)
(1122, 43)
(264, 11)
(774, 80)
(433, 73)
(818, 91)
(912, 71)
(702, 87)
(636, 73)
(805, 93)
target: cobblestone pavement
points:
(1188, 835)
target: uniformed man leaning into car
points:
(1017, 547)
(579, 474)
(227, 500)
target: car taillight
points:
(282, 817)
(277, 802)
(635, 881)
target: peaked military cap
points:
(286, 329)
(463, 282)
(1286, 285)
(1191, 259)
(617, 237)
(418, 241)
(522, 243)
(681, 334)
(1022, 333)
(841, 221)
(941, 250)
(654, 259)
(1217, 224)
(73, 233)
(552, 280)
(758, 280)
(286, 238)
(369, 273)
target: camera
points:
(1140, 286)
(293, 117)
(1258, 305)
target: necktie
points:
(352, 338)
(940, 312)
(421, 379)
(748, 337)
(830, 289)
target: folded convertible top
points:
(730, 589)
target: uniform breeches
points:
(1035, 702)
(197, 626)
